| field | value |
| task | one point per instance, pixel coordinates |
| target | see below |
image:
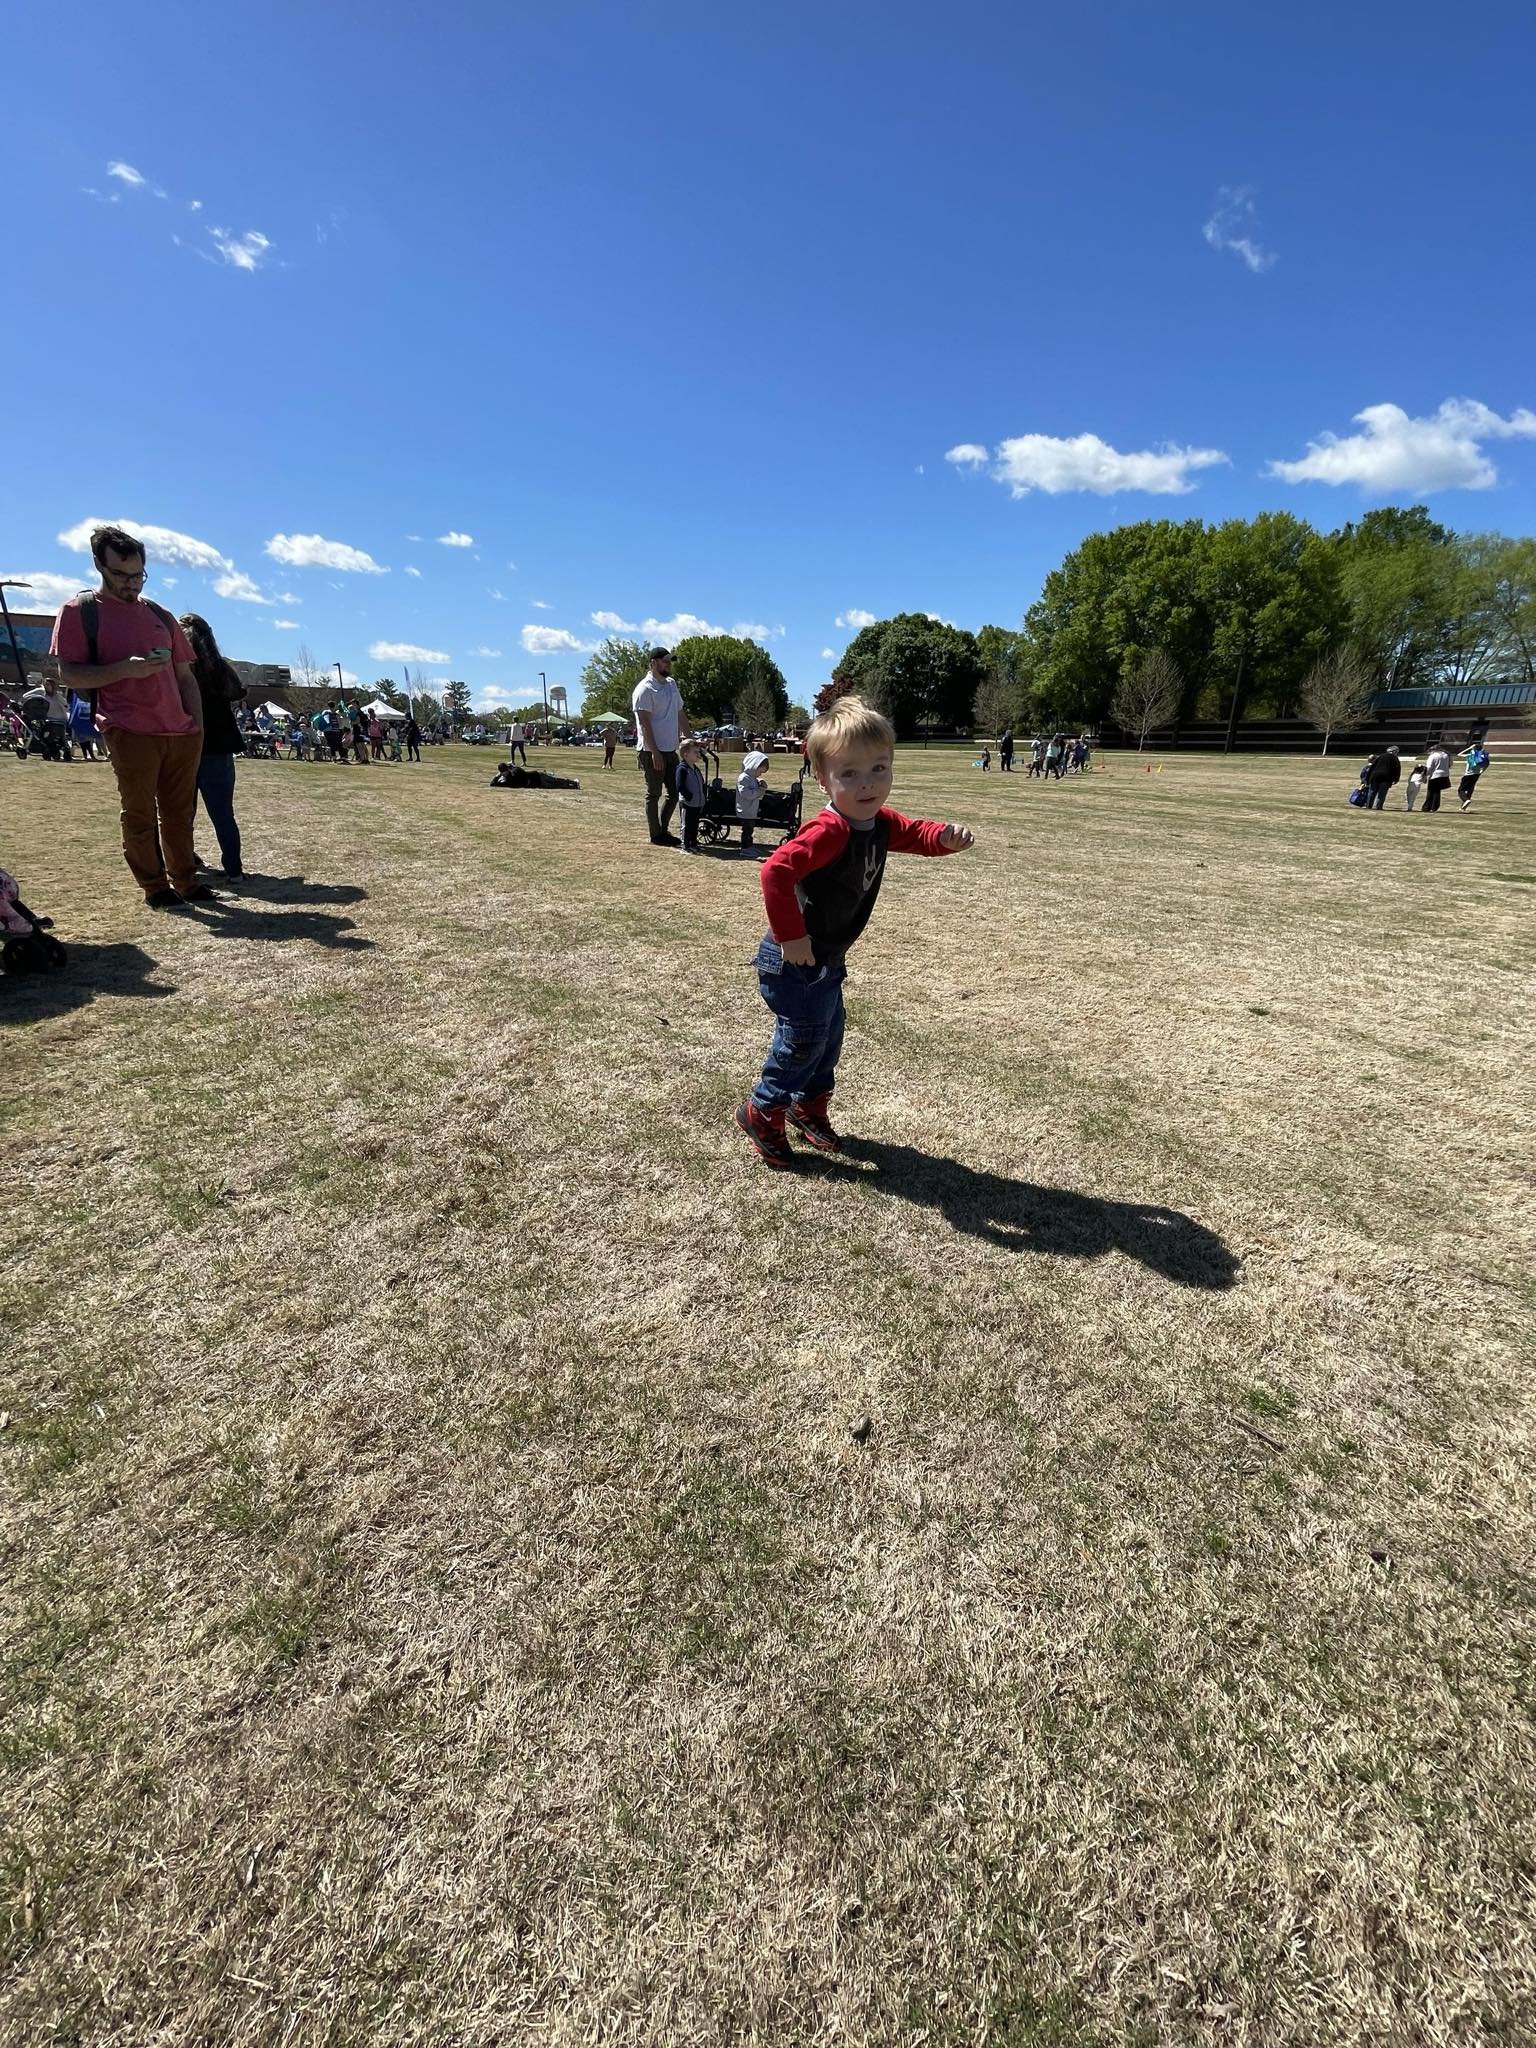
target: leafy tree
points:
(1395, 568)
(1512, 599)
(795, 717)
(609, 678)
(1114, 598)
(917, 670)
(1336, 691)
(456, 702)
(1148, 695)
(428, 708)
(1271, 592)
(718, 673)
(389, 690)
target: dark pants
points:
(1376, 795)
(413, 750)
(691, 817)
(216, 787)
(1433, 793)
(1005, 762)
(1466, 786)
(658, 782)
(517, 747)
(807, 1004)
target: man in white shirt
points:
(517, 741)
(658, 709)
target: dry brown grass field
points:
(441, 1598)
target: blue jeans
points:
(807, 1003)
(216, 787)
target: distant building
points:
(34, 631)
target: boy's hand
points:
(799, 952)
(956, 838)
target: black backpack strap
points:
(161, 614)
(90, 619)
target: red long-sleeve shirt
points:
(822, 884)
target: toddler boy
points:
(819, 889)
(691, 791)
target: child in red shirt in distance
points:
(820, 888)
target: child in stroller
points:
(27, 947)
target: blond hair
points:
(846, 722)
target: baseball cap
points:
(655, 653)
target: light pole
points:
(13, 583)
(341, 679)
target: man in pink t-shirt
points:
(151, 709)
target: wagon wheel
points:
(711, 831)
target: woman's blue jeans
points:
(807, 1004)
(216, 787)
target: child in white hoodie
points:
(749, 793)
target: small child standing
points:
(750, 786)
(688, 781)
(819, 889)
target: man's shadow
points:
(1021, 1217)
(88, 972)
(257, 907)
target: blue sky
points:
(766, 318)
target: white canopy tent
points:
(277, 710)
(379, 709)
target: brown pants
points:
(157, 781)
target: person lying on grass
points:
(819, 889)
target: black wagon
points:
(779, 810)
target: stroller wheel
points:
(711, 831)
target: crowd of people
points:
(1054, 757)
(1429, 777)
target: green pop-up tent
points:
(608, 718)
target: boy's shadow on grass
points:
(1022, 1217)
(257, 907)
(90, 971)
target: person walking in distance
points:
(412, 739)
(657, 704)
(1437, 774)
(1384, 772)
(1475, 760)
(610, 744)
(136, 657)
(517, 741)
(221, 689)
(1005, 751)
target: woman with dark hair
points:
(221, 689)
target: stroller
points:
(27, 947)
(779, 810)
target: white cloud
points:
(921, 470)
(538, 604)
(853, 618)
(511, 565)
(1397, 453)
(966, 455)
(163, 543)
(1229, 225)
(938, 618)
(168, 582)
(309, 551)
(286, 625)
(412, 572)
(194, 206)
(1082, 462)
(127, 173)
(499, 595)
(287, 597)
(554, 640)
(455, 540)
(349, 679)
(48, 591)
(827, 654)
(234, 583)
(486, 653)
(244, 252)
(683, 626)
(404, 650)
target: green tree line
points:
(1249, 612)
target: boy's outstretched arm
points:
(927, 835)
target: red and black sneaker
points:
(765, 1131)
(809, 1118)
